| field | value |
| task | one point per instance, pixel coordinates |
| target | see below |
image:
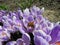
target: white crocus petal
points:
(24, 20)
(34, 7)
(14, 19)
(36, 25)
(57, 23)
(38, 9)
(0, 27)
(42, 10)
(26, 11)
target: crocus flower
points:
(29, 19)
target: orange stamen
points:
(57, 43)
(3, 33)
(31, 24)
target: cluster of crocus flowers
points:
(34, 28)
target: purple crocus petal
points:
(19, 28)
(25, 22)
(44, 25)
(58, 39)
(2, 13)
(4, 18)
(30, 18)
(42, 10)
(55, 34)
(38, 40)
(40, 19)
(37, 27)
(20, 41)
(49, 28)
(39, 33)
(10, 14)
(29, 29)
(26, 38)
(11, 43)
(0, 42)
(50, 24)
(48, 38)
(20, 13)
(35, 9)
